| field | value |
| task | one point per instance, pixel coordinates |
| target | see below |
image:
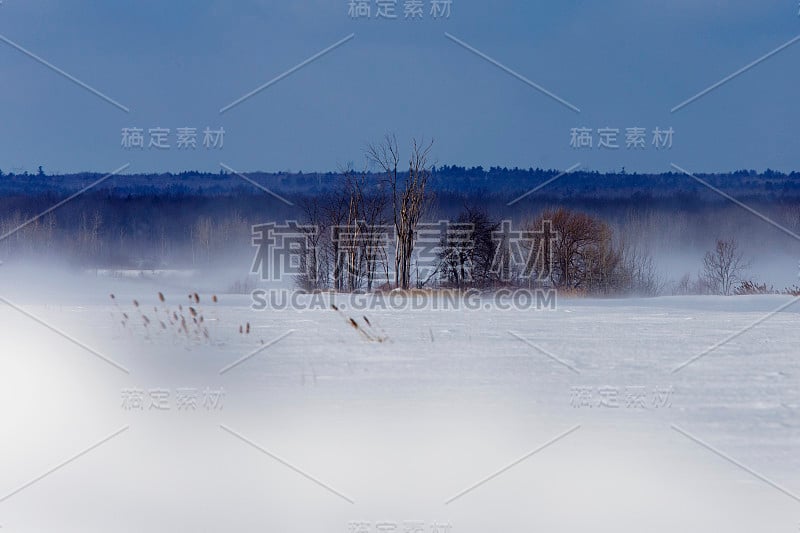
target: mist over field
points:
(203, 223)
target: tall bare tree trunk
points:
(409, 199)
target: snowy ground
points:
(323, 429)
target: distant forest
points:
(498, 182)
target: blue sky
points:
(624, 63)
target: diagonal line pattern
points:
(746, 207)
(65, 336)
(513, 73)
(285, 463)
(735, 74)
(735, 462)
(65, 463)
(545, 352)
(70, 77)
(545, 184)
(735, 335)
(256, 184)
(62, 202)
(288, 73)
(252, 354)
(512, 465)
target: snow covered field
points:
(572, 419)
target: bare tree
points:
(345, 235)
(579, 247)
(386, 155)
(351, 236)
(314, 271)
(408, 197)
(582, 254)
(336, 208)
(724, 266)
(373, 219)
(642, 278)
(89, 233)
